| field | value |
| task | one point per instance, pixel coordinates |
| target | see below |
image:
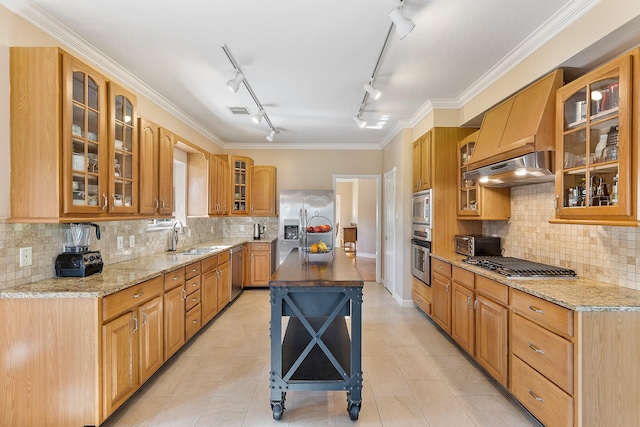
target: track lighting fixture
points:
(403, 25)
(361, 123)
(234, 83)
(373, 92)
(257, 117)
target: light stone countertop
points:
(115, 277)
(579, 294)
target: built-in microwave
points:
(422, 207)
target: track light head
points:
(374, 93)
(271, 135)
(403, 25)
(257, 117)
(361, 123)
(234, 83)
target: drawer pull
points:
(194, 284)
(175, 277)
(536, 349)
(536, 309)
(539, 399)
(139, 294)
(194, 321)
(440, 267)
(194, 299)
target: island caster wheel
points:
(354, 411)
(277, 409)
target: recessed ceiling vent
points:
(241, 111)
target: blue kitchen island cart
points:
(319, 307)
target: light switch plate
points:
(120, 242)
(132, 241)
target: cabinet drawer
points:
(255, 247)
(441, 267)
(421, 302)
(193, 284)
(192, 321)
(126, 299)
(492, 289)
(545, 351)
(173, 278)
(421, 288)
(209, 263)
(547, 314)
(192, 300)
(464, 277)
(192, 270)
(223, 257)
(548, 403)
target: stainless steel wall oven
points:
(420, 253)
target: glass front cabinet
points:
(240, 169)
(595, 164)
(474, 201)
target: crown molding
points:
(70, 40)
(304, 146)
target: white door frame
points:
(389, 229)
(378, 179)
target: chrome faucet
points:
(174, 234)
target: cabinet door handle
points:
(157, 203)
(162, 203)
(144, 318)
(555, 203)
(106, 201)
(135, 328)
(469, 301)
(535, 397)
(536, 349)
(184, 294)
(447, 289)
(535, 309)
(475, 305)
(139, 294)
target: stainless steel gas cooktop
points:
(518, 268)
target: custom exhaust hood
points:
(516, 142)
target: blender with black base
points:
(77, 260)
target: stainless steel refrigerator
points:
(297, 207)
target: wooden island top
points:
(295, 271)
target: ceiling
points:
(306, 60)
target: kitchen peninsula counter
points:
(118, 276)
(579, 294)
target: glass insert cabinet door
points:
(467, 188)
(85, 145)
(123, 161)
(593, 153)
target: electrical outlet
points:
(120, 241)
(242, 228)
(188, 232)
(132, 241)
(25, 257)
(212, 229)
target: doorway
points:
(362, 209)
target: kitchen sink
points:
(204, 250)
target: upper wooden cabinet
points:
(422, 163)
(74, 146)
(597, 130)
(241, 184)
(263, 191)
(219, 188)
(474, 201)
(156, 169)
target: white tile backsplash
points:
(603, 253)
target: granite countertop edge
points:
(121, 275)
(578, 294)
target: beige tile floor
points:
(413, 376)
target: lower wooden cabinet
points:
(492, 345)
(174, 303)
(441, 291)
(132, 341)
(421, 294)
(259, 264)
(209, 288)
(224, 280)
